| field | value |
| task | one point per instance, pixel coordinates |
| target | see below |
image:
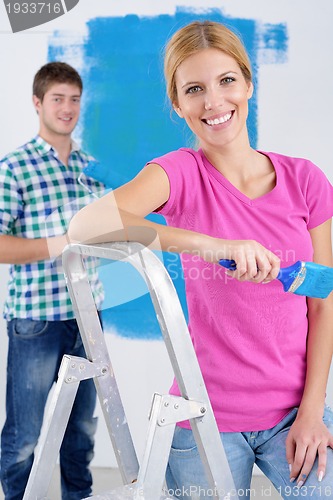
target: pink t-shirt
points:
(250, 339)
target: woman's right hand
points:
(254, 262)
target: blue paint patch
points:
(272, 43)
(133, 320)
(126, 118)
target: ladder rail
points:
(96, 350)
(52, 435)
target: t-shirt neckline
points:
(236, 192)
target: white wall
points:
(295, 114)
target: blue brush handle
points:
(287, 275)
(229, 264)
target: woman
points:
(265, 355)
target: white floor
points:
(107, 479)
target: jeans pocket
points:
(29, 328)
(183, 444)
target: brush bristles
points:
(318, 282)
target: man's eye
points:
(193, 90)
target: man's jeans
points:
(186, 479)
(35, 352)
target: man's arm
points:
(15, 250)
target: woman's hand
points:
(307, 438)
(254, 262)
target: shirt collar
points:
(44, 147)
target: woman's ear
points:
(177, 110)
(250, 89)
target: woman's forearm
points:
(104, 222)
(100, 223)
(319, 355)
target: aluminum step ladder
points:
(147, 481)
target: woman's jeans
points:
(35, 352)
(267, 449)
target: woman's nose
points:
(213, 99)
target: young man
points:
(37, 180)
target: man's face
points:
(59, 111)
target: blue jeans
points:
(185, 475)
(35, 352)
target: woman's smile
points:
(218, 119)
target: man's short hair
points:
(54, 72)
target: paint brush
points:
(301, 278)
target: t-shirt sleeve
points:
(319, 197)
(180, 167)
(10, 199)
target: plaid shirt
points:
(38, 196)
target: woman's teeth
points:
(217, 121)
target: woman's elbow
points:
(96, 223)
(76, 232)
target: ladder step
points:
(130, 491)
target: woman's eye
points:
(228, 79)
(193, 90)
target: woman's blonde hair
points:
(197, 36)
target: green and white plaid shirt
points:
(38, 196)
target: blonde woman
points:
(264, 354)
